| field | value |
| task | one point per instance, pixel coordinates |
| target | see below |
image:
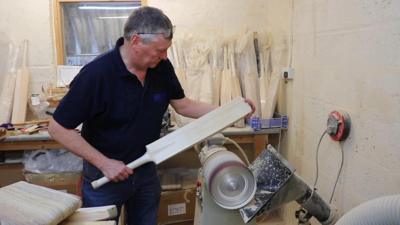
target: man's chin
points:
(154, 65)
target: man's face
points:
(151, 53)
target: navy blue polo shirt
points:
(120, 116)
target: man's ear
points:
(135, 39)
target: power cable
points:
(317, 169)
(240, 149)
(316, 162)
(338, 175)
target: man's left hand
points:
(253, 107)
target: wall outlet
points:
(288, 73)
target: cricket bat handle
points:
(134, 164)
(100, 182)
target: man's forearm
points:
(192, 108)
(73, 142)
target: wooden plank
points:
(196, 131)
(7, 90)
(24, 203)
(189, 135)
(272, 95)
(106, 222)
(93, 214)
(26, 145)
(21, 89)
(235, 82)
(260, 143)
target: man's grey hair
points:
(148, 22)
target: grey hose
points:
(379, 211)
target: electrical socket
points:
(288, 73)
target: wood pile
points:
(23, 203)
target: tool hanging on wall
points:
(338, 125)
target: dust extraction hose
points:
(379, 211)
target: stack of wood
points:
(248, 66)
(23, 203)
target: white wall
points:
(213, 18)
(31, 20)
(346, 56)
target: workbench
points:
(245, 135)
(258, 140)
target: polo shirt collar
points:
(120, 63)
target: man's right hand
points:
(116, 170)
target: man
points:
(120, 97)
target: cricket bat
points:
(189, 135)
(21, 89)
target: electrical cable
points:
(338, 175)
(317, 169)
(240, 149)
(316, 161)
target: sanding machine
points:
(230, 192)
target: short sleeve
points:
(82, 102)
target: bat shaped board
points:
(189, 135)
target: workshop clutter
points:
(51, 161)
(14, 86)
(216, 70)
(56, 169)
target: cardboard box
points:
(10, 173)
(189, 222)
(177, 206)
(70, 182)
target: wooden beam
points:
(93, 214)
(25, 145)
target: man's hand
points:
(253, 107)
(116, 170)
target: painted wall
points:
(31, 20)
(346, 56)
(211, 18)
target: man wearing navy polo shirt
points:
(120, 97)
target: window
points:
(85, 29)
